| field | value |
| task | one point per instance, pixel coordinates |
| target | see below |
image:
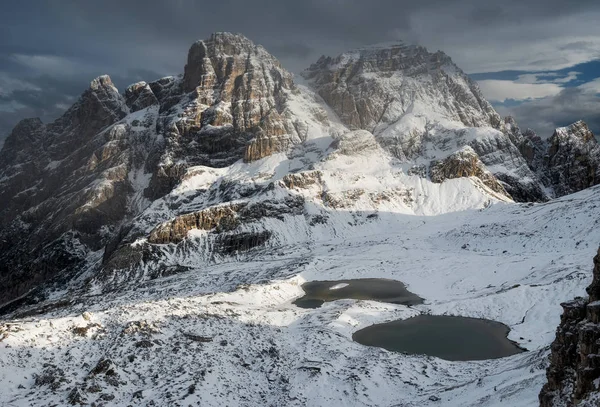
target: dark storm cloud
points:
(293, 50)
(570, 105)
(160, 31)
(58, 47)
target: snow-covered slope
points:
(183, 215)
(421, 107)
(228, 333)
(105, 174)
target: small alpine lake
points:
(375, 289)
(447, 337)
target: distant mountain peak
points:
(579, 129)
(114, 166)
(101, 82)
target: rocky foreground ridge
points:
(234, 152)
(574, 371)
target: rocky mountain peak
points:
(104, 90)
(230, 44)
(374, 87)
(110, 155)
(103, 82)
(395, 57)
(225, 55)
(422, 108)
(139, 96)
(23, 133)
(578, 130)
(233, 107)
(573, 159)
(143, 208)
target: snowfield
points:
(209, 199)
(228, 334)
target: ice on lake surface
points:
(375, 289)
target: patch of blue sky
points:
(586, 72)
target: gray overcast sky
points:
(51, 50)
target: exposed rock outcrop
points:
(373, 87)
(565, 163)
(232, 104)
(415, 102)
(465, 163)
(76, 184)
(574, 371)
(139, 96)
(175, 231)
(63, 186)
(502, 157)
(573, 159)
(242, 89)
(225, 218)
(78, 193)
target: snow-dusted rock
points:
(574, 369)
(573, 159)
(184, 215)
(63, 186)
(567, 162)
(464, 163)
(371, 88)
(139, 96)
(419, 104)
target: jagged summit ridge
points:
(372, 87)
(579, 129)
(388, 57)
(566, 162)
(422, 108)
(223, 51)
(235, 126)
(148, 206)
(71, 189)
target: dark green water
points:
(376, 289)
(447, 337)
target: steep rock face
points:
(176, 230)
(504, 159)
(172, 170)
(573, 159)
(419, 105)
(371, 88)
(567, 162)
(77, 183)
(31, 147)
(139, 96)
(233, 104)
(574, 368)
(66, 186)
(229, 229)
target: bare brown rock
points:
(302, 180)
(573, 159)
(238, 84)
(574, 361)
(139, 96)
(465, 163)
(222, 217)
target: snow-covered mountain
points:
(194, 206)
(421, 107)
